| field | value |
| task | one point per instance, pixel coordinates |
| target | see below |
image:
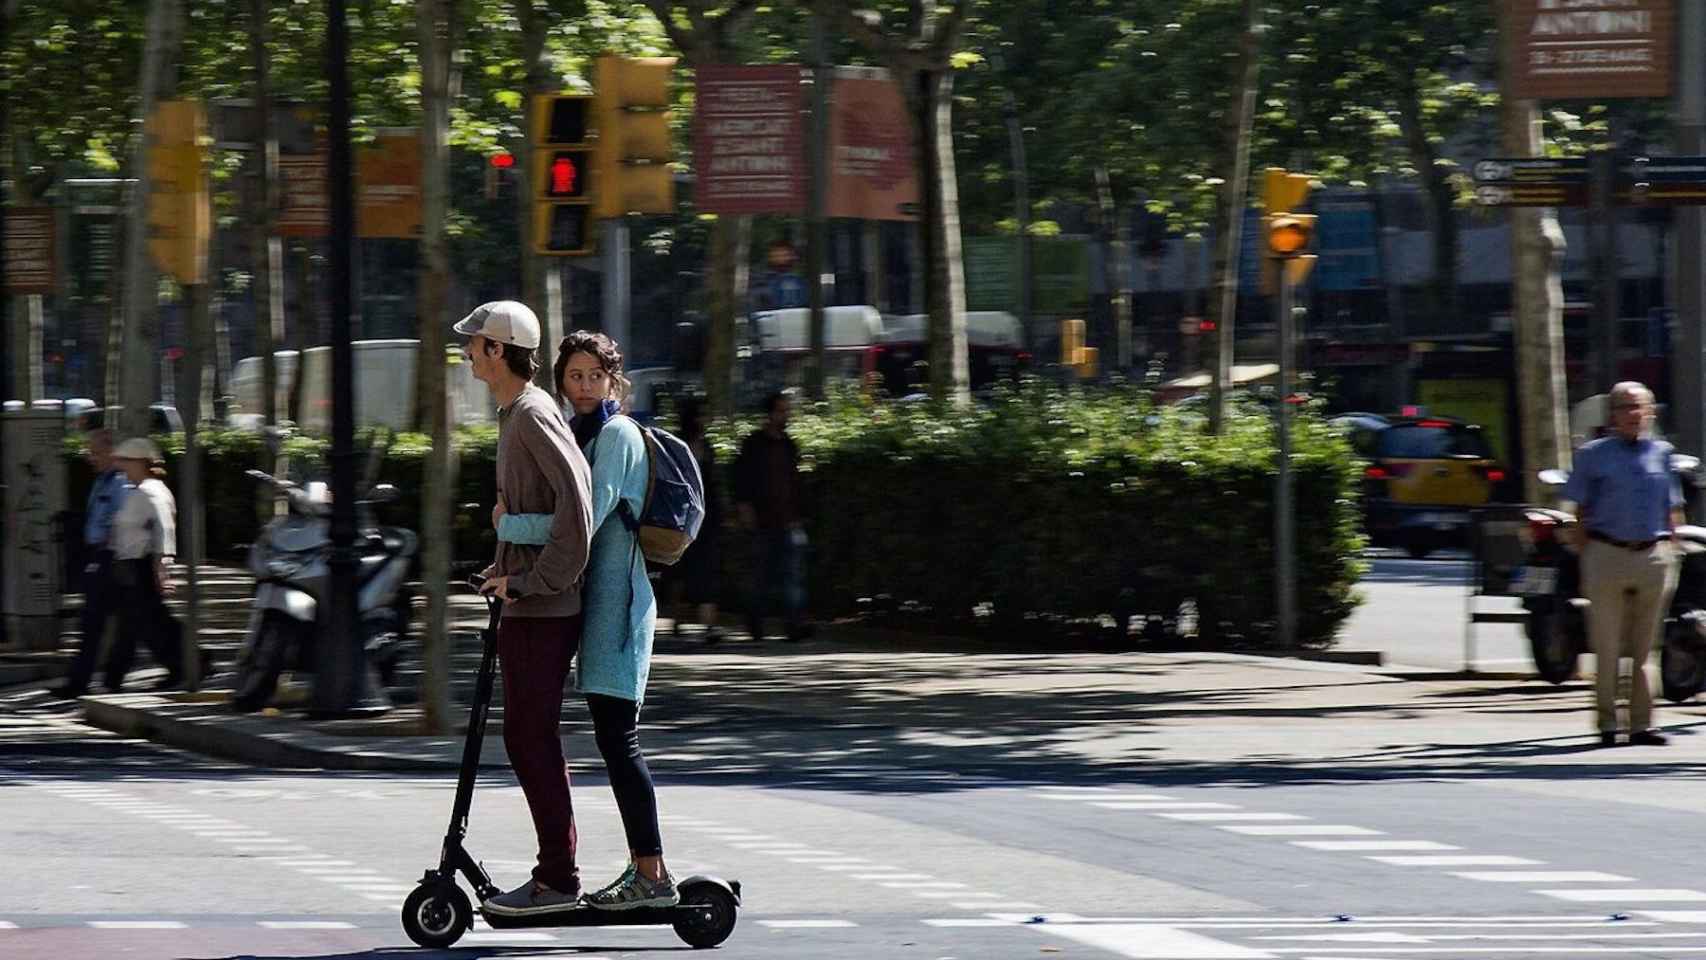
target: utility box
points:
(35, 494)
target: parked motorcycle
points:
(1557, 611)
(291, 563)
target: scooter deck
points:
(581, 915)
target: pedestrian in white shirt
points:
(144, 534)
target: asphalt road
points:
(1414, 612)
(117, 848)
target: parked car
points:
(1424, 476)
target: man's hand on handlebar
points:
(498, 587)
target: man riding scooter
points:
(540, 469)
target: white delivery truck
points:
(384, 387)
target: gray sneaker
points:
(616, 884)
(528, 899)
(633, 891)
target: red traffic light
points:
(503, 161)
(566, 174)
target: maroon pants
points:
(536, 653)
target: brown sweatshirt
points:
(542, 470)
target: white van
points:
(851, 335)
(384, 374)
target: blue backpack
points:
(674, 506)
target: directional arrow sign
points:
(1667, 181)
(1532, 182)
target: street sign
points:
(1589, 49)
(28, 249)
(1666, 181)
(749, 152)
(1532, 182)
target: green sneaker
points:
(616, 884)
(633, 892)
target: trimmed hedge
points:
(1040, 507)
(1046, 505)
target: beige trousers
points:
(1629, 592)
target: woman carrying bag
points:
(620, 610)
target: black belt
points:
(1625, 544)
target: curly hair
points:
(601, 348)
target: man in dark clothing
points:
(768, 495)
(105, 498)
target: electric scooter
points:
(437, 912)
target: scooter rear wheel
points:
(436, 914)
(1682, 659)
(713, 911)
(1555, 641)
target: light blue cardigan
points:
(616, 641)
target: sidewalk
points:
(866, 700)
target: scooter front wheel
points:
(712, 911)
(1682, 659)
(436, 914)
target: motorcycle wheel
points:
(1553, 637)
(1682, 660)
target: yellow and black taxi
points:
(1424, 474)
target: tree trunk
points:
(944, 271)
(1230, 217)
(731, 239)
(142, 319)
(534, 29)
(192, 512)
(1442, 215)
(304, 330)
(1537, 251)
(435, 44)
(266, 251)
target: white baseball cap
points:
(137, 448)
(505, 321)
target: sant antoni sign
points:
(1589, 49)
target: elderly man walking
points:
(108, 494)
(1628, 501)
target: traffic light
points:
(1286, 234)
(180, 219)
(564, 178)
(634, 146)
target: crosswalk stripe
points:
(307, 925)
(1152, 942)
(1461, 860)
(1627, 895)
(806, 924)
(136, 924)
(1304, 830)
(1541, 876)
(1373, 845)
(1162, 805)
(1214, 817)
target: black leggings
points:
(616, 726)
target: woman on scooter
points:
(620, 611)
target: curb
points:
(255, 749)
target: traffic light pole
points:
(1285, 573)
(617, 283)
(1688, 395)
(341, 673)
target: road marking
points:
(1460, 860)
(892, 876)
(766, 846)
(924, 885)
(506, 936)
(1676, 916)
(345, 876)
(995, 905)
(1305, 830)
(380, 897)
(1392, 936)
(1144, 941)
(806, 924)
(1373, 845)
(7, 925)
(969, 922)
(292, 850)
(307, 925)
(830, 860)
(1102, 796)
(136, 925)
(844, 867)
(950, 894)
(1160, 805)
(1220, 816)
(314, 862)
(1627, 895)
(1542, 876)
(254, 841)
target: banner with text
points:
(873, 171)
(748, 141)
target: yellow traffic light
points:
(563, 179)
(1289, 233)
(635, 148)
(180, 219)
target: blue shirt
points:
(1626, 489)
(105, 497)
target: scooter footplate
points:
(584, 916)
